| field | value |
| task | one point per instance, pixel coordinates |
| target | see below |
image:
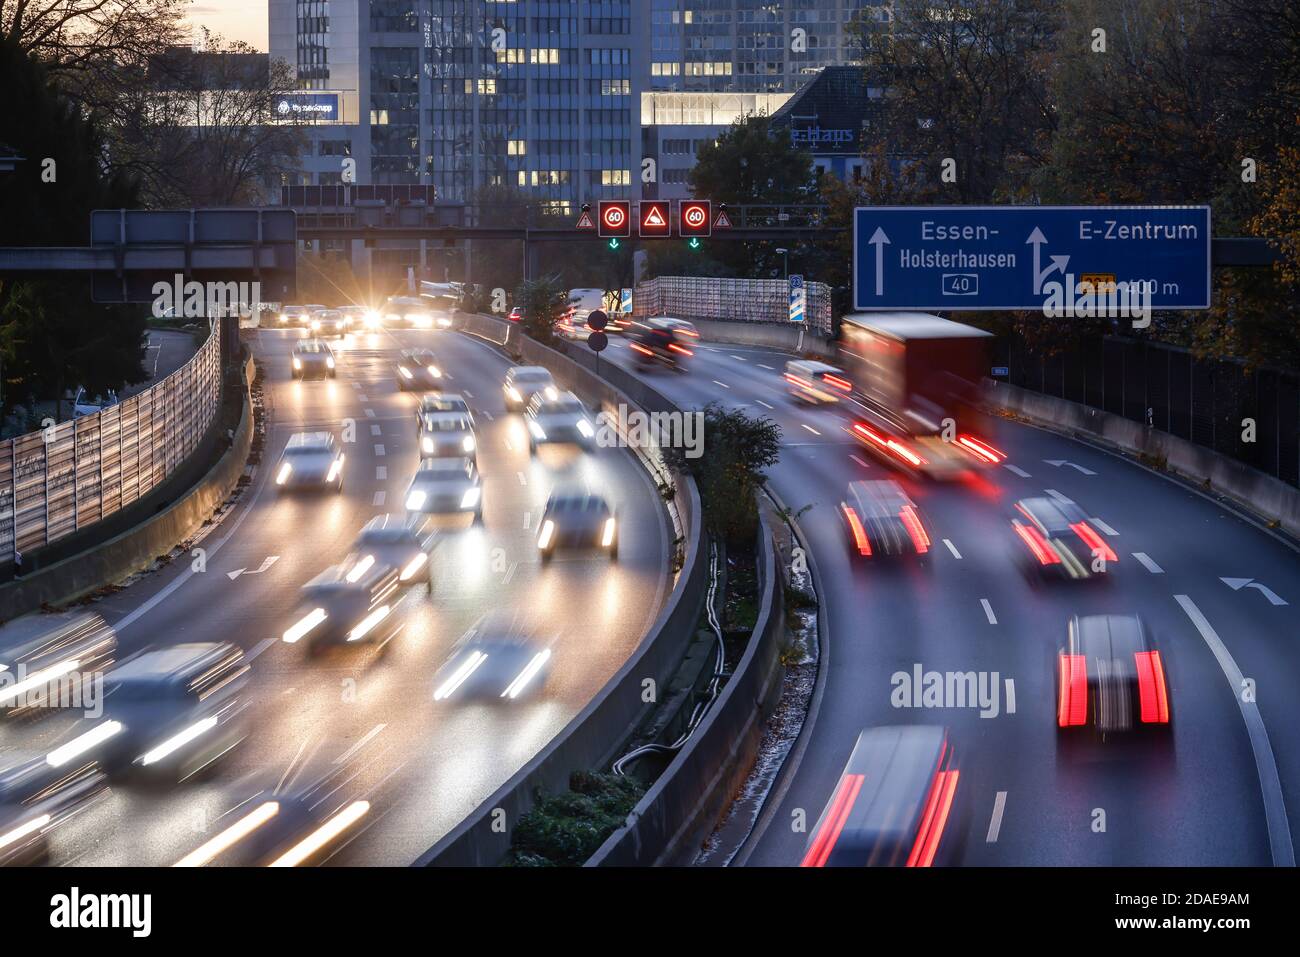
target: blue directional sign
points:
(1023, 257)
(798, 299)
(625, 300)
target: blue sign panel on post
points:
(798, 299)
(1020, 257)
(625, 300)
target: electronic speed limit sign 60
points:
(695, 218)
(615, 219)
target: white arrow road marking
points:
(952, 548)
(880, 240)
(995, 822)
(1270, 785)
(988, 611)
(1011, 468)
(266, 563)
(1148, 564)
(1237, 584)
(1059, 462)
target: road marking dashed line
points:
(952, 548)
(995, 822)
(1148, 564)
(988, 611)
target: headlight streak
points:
(22, 830)
(368, 623)
(319, 838)
(231, 836)
(426, 445)
(283, 475)
(304, 625)
(329, 362)
(585, 428)
(44, 676)
(413, 566)
(435, 372)
(530, 671)
(458, 677)
(178, 741)
(335, 467)
(406, 373)
(538, 432)
(470, 498)
(83, 743)
(360, 568)
(607, 536)
(415, 501)
(467, 443)
(548, 532)
(297, 363)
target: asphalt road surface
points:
(1228, 790)
(423, 764)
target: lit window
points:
(517, 148)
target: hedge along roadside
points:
(592, 739)
(686, 801)
(137, 547)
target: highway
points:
(1228, 790)
(423, 764)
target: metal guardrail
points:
(71, 475)
(701, 298)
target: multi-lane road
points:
(1228, 790)
(424, 764)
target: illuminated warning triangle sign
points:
(722, 220)
(585, 221)
(655, 217)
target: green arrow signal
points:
(613, 243)
(695, 242)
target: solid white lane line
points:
(765, 405)
(952, 548)
(995, 822)
(376, 430)
(1148, 564)
(380, 497)
(988, 611)
(810, 429)
(379, 451)
(342, 758)
(1104, 527)
(1270, 785)
(381, 472)
(740, 358)
(860, 461)
(1011, 468)
(768, 368)
(723, 384)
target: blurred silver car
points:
(349, 602)
(432, 402)
(313, 359)
(493, 661)
(524, 382)
(446, 486)
(883, 520)
(310, 460)
(46, 661)
(328, 322)
(392, 540)
(444, 434)
(1059, 539)
(296, 315)
(35, 797)
(562, 419)
(169, 713)
(417, 369)
(577, 520)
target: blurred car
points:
(524, 382)
(444, 434)
(435, 402)
(893, 803)
(572, 326)
(1110, 678)
(680, 328)
(516, 314)
(883, 520)
(328, 322)
(1059, 540)
(83, 403)
(35, 797)
(410, 311)
(577, 520)
(493, 661)
(446, 486)
(310, 460)
(313, 359)
(562, 419)
(296, 315)
(47, 661)
(352, 601)
(816, 382)
(910, 445)
(392, 540)
(296, 827)
(657, 344)
(169, 713)
(354, 317)
(417, 369)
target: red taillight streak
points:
(640, 348)
(915, 529)
(1152, 694)
(845, 796)
(1072, 710)
(980, 449)
(1094, 541)
(1037, 545)
(693, 335)
(864, 431)
(859, 533)
(904, 453)
(933, 820)
(795, 380)
(836, 381)
(682, 349)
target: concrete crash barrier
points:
(1267, 497)
(137, 547)
(681, 808)
(594, 736)
(786, 336)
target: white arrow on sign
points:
(1059, 462)
(1237, 584)
(266, 563)
(1037, 240)
(879, 239)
